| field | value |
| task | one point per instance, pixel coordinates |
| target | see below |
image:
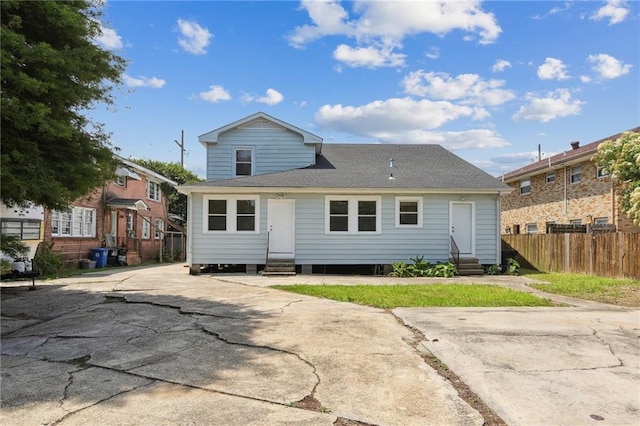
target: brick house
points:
(567, 188)
(129, 213)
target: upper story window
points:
(75, 222)
(121, 180)
(23, 229)
(243, 161)
(239, 213)
(352, 215)
(153, 190)
(409, 212)
(576, 174)
(525, 187)
(551, 177)
(601, 172)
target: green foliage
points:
(513, 267)
(49, 262)
(177, 202)
(5, 266)
(422, 268)
(52, 74)
(492, 269)
(621, 158)
(13, 246)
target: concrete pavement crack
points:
(595, 334)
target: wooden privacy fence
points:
(607, 255)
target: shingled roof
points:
(367, 166)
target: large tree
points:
(621, 158)
(174, 171)
(52, 75)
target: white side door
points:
(281, 215)
(462, 226)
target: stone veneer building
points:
(567, 188)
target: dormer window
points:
(243, 161)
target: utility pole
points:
(181, 145)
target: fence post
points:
(567, 253)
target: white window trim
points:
(600, 174)
(525, 186)
(353, 214)
(530, 227)
(159, 191)
(253, 159)
(231, 213)
(57, 216)
(146, 228)
(121, 181)
(549, 174)
(419, 200)
(158, 232)
(572, 174)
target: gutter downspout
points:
(498, 229)
(565, 190)
(614, 219)
(190, 225)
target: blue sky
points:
(487, 80)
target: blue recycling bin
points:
(100, 255)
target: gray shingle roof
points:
(367, 166)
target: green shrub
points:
(48, 262)
(422, 268)
(492, 269)
(13, 246)
(443, 270)
(513, 267)
(5, 266)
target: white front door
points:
(281, 217)
(462, 229)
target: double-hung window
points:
(153, 190)
(243, 161)
(75, 222)
(576, 174)
(352, 214)
(146, 228)
(551, 177)
(525, 187)
(601, 172)
(239, 213)
(409, 212)
(23, 229)
(158, 229)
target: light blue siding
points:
(314, 246)
(276, 149)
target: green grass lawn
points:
(622, 292)
(434, 295)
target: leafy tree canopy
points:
(621, 158)
(174, 171)
(52, 74)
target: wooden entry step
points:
(280, 267)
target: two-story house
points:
(567, 188)
(277, 197)
(128, 212)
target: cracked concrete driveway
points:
(158, 346)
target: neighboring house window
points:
(23, 229)
(75, 222)
(409, 212)
(532, 228)
(146, 228)
(153, 190)
(548, 226)
(600, 172)
(551, 177)
(130, 225)
(243, 161)
(576, 174)
(352, 214)
(516, 229)
(601, 220)
(158, 229)
(576, 222)
(121, 180)
(525, 187)
(239, 213)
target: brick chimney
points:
(575, 144)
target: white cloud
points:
(215, 94)
(554, 105)
(384, 24)
(501, 65)
(433, 53)
(555, 10)
(585, 79)
(467, 88)
(153, 82)
(371, 56)
(272, 97)
(109, 39)
(607, 66)
(506, 163)
(552, 69)
(615, 11)
(194, 38)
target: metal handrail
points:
(454, 251)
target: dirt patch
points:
(341, 421)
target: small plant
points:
(492, 269)
(422, 268)
(48, 262)
(400, 269)
(513, 267)
(5, 266)
(443, 270)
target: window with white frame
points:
(352, 214)
(525, 187)
(551, 177)
(146, 228)
(601, 220)
(576, 174)
(532, 228)
(239, 213)
(153, 190)
(158, 230)
(75, 222)
(409, 212)
(23, 229)
(601, 172)
(121, 180)
(243, 161)
(575, 222)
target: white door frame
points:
(273, 206)
(472, 225)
